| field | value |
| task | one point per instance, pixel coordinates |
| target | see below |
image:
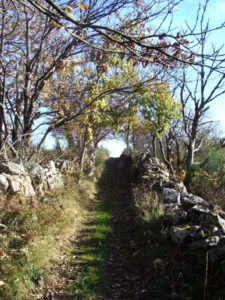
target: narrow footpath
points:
(102, 260)
(125, 265)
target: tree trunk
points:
(70, 141)
(178, 155)
(127, 136)
(3, 133)
(83, 150)
(154, 148)
(168, 164)
(189, 164)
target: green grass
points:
(92, 247)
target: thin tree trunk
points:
(178, 155)
(168, 164)
(189, 164)
(83, 151)
(154, 148)
(3, 135)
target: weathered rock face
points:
(171, 196)
(53, 176)
(3, 184)
(12, 168)
(66, 166)
(176, 185)
(37, 173)
(20, 185)
(185, 233)
(47, 178)
(15, 180)
(152, 168)
(206, 244)
(189, 200)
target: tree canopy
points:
(96, 68)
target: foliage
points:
(209, 177)
(35, 238)
(55, 72)
(100, 158)
(158, 108)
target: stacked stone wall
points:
(192, 220)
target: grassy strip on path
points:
(89, 252)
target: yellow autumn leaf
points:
(69, 9)
(82, 6)
(54, 24)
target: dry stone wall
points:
(192, 220)
(15, 179)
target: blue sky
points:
(216, 16)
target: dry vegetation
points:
(35, 236)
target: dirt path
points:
(125, 265)
(116, 273)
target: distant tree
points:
(199, 86)
(209, 179)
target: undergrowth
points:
(173, 271)
(33, 238)
(38, 239)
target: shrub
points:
(209, 178)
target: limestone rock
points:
(180, 187)
(14, 184)
(176, 185)
(171, 196)
(152, 168)
(180, 217)
(66, 166)
(189, 200)
(197, 212)
(178, 235)
(3, 184)
(12, 168)
(207, 243)
(210, 230)
(20, 185)
(37, 173)
(215, 254)
(54, 182)
(185, 233)
(215, 220)
(217, 210)
(51, 167)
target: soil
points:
(125, 265)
